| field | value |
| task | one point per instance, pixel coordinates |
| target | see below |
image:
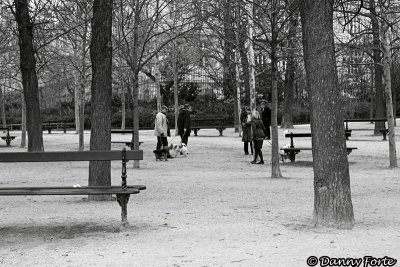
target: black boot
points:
(246, 148)
(261, 157)
(255, 157)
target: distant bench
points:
(383, 130)
(8, 138)
(292, 151)
(208, 123)
(49, 125)
(127, 143)
(122, 192)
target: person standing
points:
(259, 132)
(247, 137)
(161, 128)
(184, 123)
(266, 117)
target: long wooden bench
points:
(50, 125)
(383, 130)
(292, 151)
(122, 191)
(208, 123)
(127, 143)
(8, 138)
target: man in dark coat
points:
(184, 123)
(266, 117)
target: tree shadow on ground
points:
(54, 232)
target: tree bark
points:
(23, 123)
(275, 168)
(377, 58)
(29, 77)
(332, 195)
(388, 93)
(101, 57)
(250, 51)
(287, 116)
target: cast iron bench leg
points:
(123, 202)
(384, 135)
(8, 141)
(292, 156)
(220, 129)
(195, 131)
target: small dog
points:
(161, 154)
(176, 150)
(286, 132)
(283, 154)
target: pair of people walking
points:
(254, 132)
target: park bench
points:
(208, 123)
(383, 130)
(127, 143)
(49, 125)
(8, 138)
(292, 151)
(122, 191)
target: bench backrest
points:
(49, 156)
(207, 121)
(298, 135)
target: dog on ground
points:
(283, 154)
(176, 149)
(162, 154)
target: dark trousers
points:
(162, 142)
(267, 127)
(184, 138)
(246, 147)
(257, 150)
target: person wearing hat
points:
(245, 119)
(266, 117)
(161, 128)
(184, 123)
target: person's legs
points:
(268, 131)
(261, 157)
(185, 138)
(256, 150)
(245, 147)
(159, 144)
(251, 147)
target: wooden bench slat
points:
(139, 187)
(50, 156)
(68, 191)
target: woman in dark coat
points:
(247, 137)
(259, 134)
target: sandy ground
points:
(212, 208)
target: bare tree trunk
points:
(377, 58)
(2, 109)
(135, 81)
(101, 57)
(29, 78)
(23, 122)
(123, 107)
(388, 93)
(332, 195)
(176, 87)
(252, 80)
(287, 116)
(275, 168)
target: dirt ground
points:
(212, 208)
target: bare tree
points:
(332, 195)
(29, 76)
(101, 57)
